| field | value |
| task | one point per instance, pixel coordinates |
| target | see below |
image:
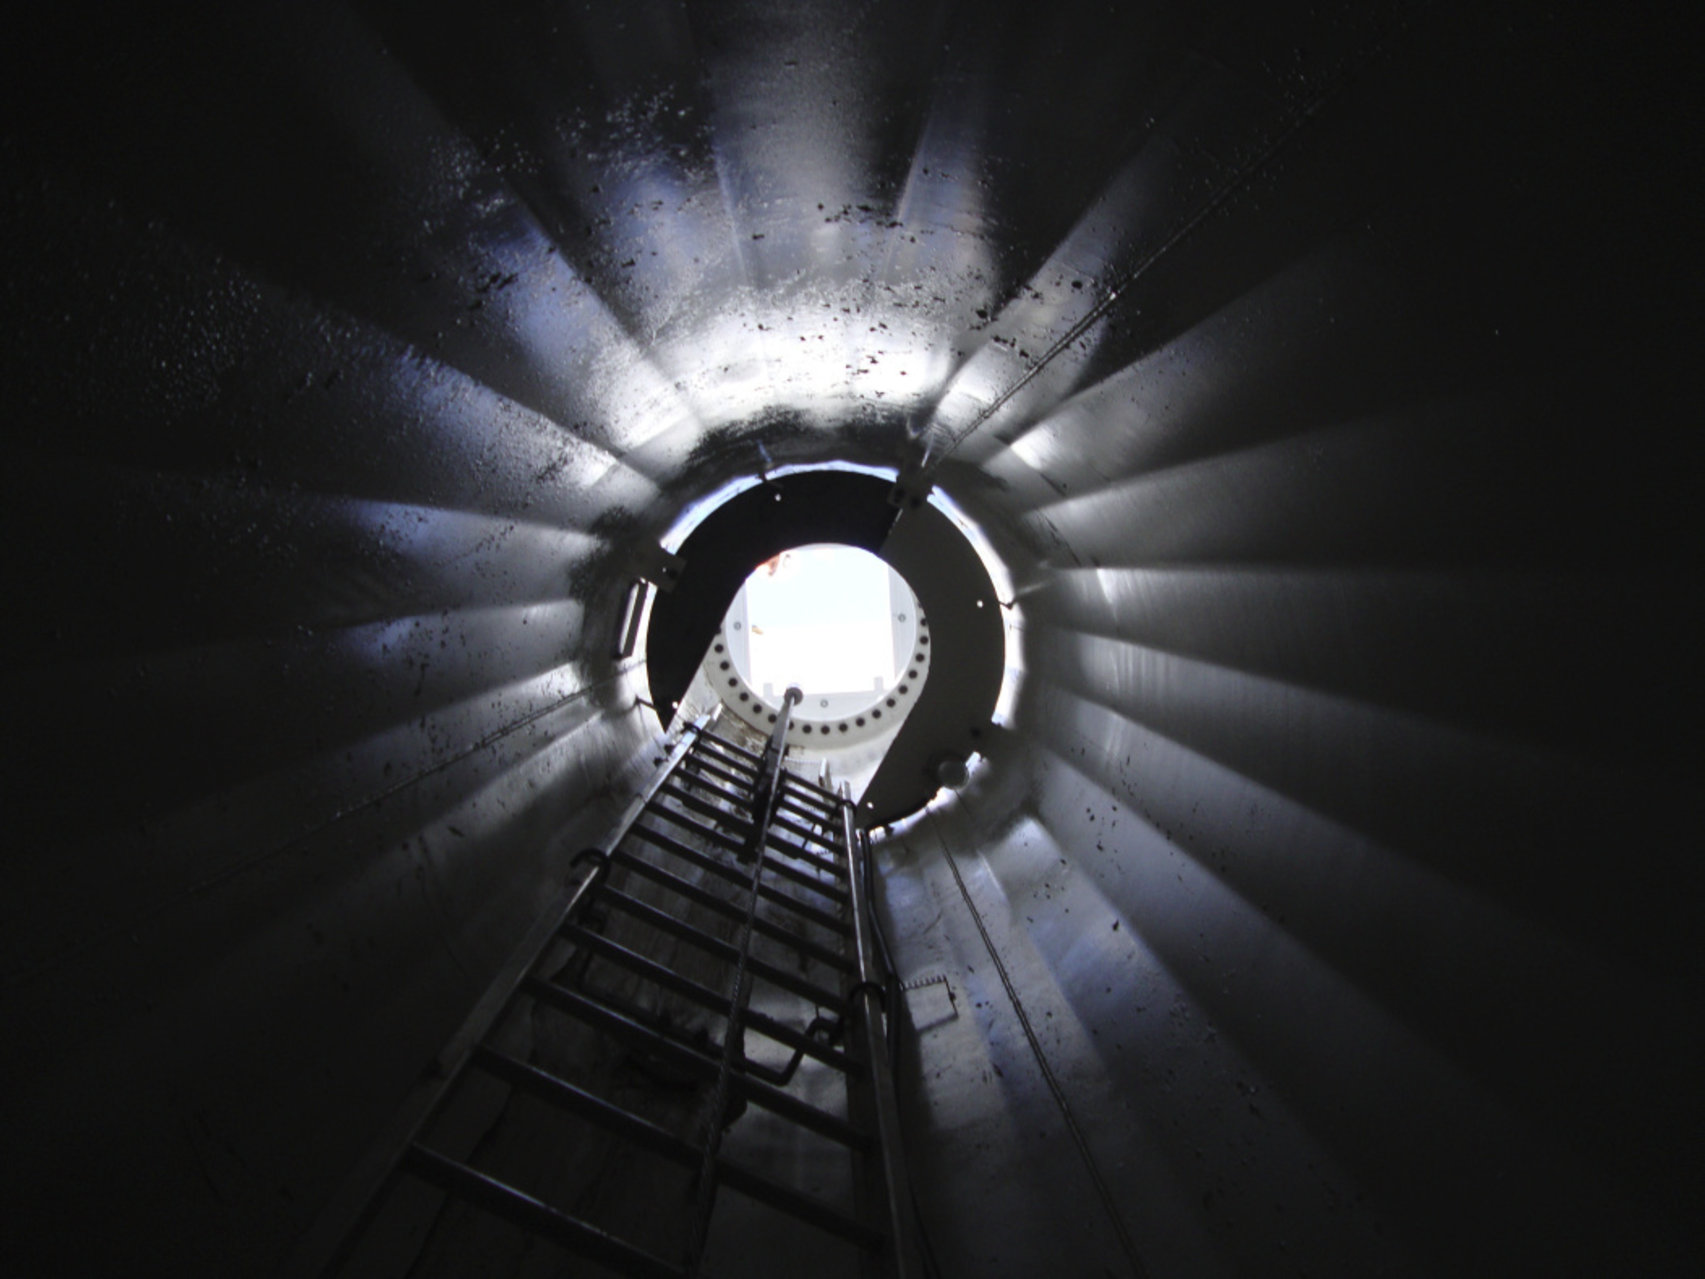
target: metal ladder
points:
(718, 948)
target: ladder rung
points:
(738, 765)
(663, 921)
(699, 764)
(704, 808)
(642, 1132)
(738, 847)
(805, 855)
(781, 868)
(733, 875)
(719, 838)
(808, 796)
(804, 879)
(577, 1101)
(810, 793)
(704, 996)
(773, 1099)
(811, 1211)
(733, 910)
(786, 805)
(535, 1216)
(750, 758)
(684, 777)
(804, 832)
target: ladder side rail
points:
(865, 1006)
(892, 984)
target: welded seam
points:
(1102, 1190)
(1222, 195)
(372, 801)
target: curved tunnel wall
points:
(1318, 375)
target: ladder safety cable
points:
(740, 990)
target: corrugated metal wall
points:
(1319, 373)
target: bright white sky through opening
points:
(821, 617)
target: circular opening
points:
(832, 620)
(898, 697)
